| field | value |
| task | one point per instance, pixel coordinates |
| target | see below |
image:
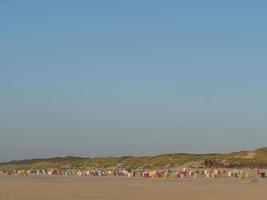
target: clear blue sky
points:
(131, 77)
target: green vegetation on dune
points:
(251, 159)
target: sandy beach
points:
(121, 188)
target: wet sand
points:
(122, 188)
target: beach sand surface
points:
(123, 188)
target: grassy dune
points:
(257, 158)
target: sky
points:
(131, 77)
